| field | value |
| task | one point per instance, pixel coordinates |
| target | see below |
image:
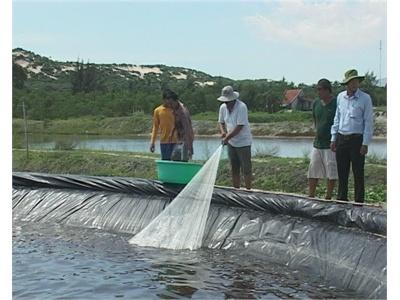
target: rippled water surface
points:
(59, 262)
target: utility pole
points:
(380, 63)
(25, 129)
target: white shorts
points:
(322, 164)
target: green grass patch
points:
(380, 108)
(263, 117)
(280, 116)
(86, 162)
(271, 173)
(138, 123)
(283, 123)
(206, 116)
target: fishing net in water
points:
(181, 225)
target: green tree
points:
(86, 78)
(273, 100)
(377, 93)
(18, 76)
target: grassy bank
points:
(137, 124)
(270, 173)
(262, 124)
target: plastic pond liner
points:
(71, 233)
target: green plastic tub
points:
(176, 171)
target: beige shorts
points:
(322, 164)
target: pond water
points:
(52, 261)
(203, 147)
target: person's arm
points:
(154, 132)
(222, 129)
(368, 117)
(335, 126)
(221, 122)
(313, 114)
(190, 132)
(234, 132)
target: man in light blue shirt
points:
(351, 134)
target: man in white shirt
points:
(351, 134)
(235, 132)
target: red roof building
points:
(294, 99)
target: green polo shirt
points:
(323, 115)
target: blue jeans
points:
(166, 150)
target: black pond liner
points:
(342, 243)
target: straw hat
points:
(228, 94)
(351, 74)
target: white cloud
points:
(322, 24)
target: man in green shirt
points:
(323, 160)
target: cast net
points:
(181, 225)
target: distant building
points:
(294, 99)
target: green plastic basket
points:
(176, 171)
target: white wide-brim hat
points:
(228, 94)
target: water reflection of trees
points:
(178, 280)
(243, 284)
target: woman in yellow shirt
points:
(164, 124)
(172, 121)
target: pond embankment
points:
(270, 173)
(140, 123)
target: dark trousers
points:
(348, 152)
(240, 158)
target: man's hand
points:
(364, 150)
(223, 137)
(333, 146)
(226, 139)
(152, 148)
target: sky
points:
(302, 41)
(299, 40)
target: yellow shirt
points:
(164, 124)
